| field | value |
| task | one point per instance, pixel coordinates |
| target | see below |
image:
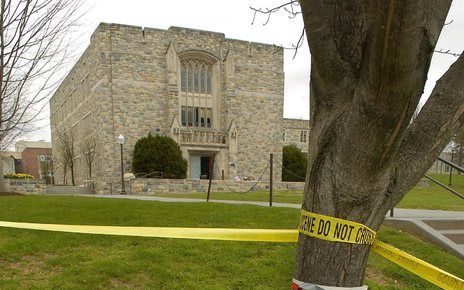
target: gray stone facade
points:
(128, 81)
(296, 132)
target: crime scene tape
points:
(421, 268)
(249, 235)
(335, 229)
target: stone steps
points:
(444, 232)
(69, 190)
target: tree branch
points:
(439, 119)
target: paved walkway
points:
(398, 213)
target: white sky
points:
(233, 18)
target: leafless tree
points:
(34, 46)
(88, 149)
(46, 168)
(369, 65)
(457, 147)
(66, 152)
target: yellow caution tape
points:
(252, 235)
(421, 268)
(335, 229)
(411, 263)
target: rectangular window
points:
(203, 81)
(183, 79)
(190, 116)
(208, 82)
(183, 112)
(283, 136)
(197, 79)
(190, 79)
(197, 117)
(303, 136)
(208, 117)
(203, 117)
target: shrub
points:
(295, 162)
(18, 176)
(159, 153)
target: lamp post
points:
(121, 142)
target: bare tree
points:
(34, 46)
(88, 149)
(457, 147)
(46, 167)
(66, 152)
(369, 66)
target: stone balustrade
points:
(203, 137)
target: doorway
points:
(200, 166)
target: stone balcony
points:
(202, 137)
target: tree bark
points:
(369, 66)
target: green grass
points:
(436, 197)
(431, 197)
(49, 260)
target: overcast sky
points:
(234, 18)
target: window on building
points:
(195, 76)
(283, 135)
(196, 117)
(196, 93)
(303, 136)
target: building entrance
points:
(200, 166)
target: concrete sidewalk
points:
(400, 213)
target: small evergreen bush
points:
(159, 153)
(295, 161)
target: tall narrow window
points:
(196, 100)
(303, 136)
(208, 82)
(196, 75)
(183, 79)
(183, 113)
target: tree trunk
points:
(369, 65)
(2, 179)
(72, 174)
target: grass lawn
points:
(432, 197)
(49, 260)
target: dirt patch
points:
(138, 281)
(28, 265)
(376, 276)
(380, 278)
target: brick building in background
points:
(31, 157)
(36, 162)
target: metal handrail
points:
(144, 175)
(455, 166)
(444, 186)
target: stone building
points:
(296, 132)
(213, 95)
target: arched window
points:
(196, 93)
(195, 76)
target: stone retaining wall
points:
(24, 186)
(153, 186)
